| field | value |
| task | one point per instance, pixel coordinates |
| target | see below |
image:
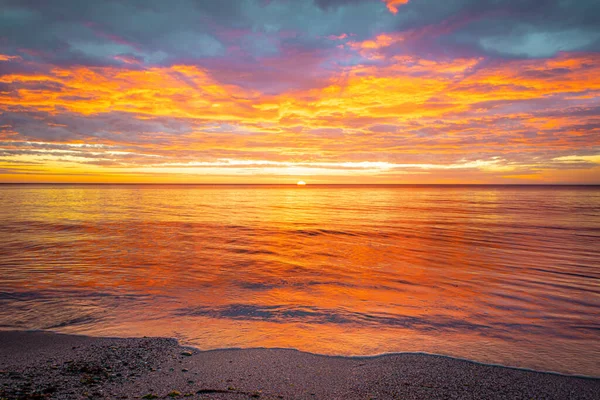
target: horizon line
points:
(292, 184)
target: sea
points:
(505, 275)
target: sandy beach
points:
(40, 365)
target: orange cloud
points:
(392, 5)
(406, 118)
(407, 88)
(380, 41)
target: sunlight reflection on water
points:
(507, 275)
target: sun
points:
(301, 183)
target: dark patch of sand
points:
(41, 365)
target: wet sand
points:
(41, 365)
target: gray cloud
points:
(234, 38)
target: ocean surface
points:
(499, 274)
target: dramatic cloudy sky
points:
(379, 91)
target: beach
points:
(40, 365)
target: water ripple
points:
(512, 271)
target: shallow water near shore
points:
(498, 274)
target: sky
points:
(276, 91)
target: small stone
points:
(187, 353)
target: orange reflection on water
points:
(477, 272)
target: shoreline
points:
(47, 365)
(358, 356)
